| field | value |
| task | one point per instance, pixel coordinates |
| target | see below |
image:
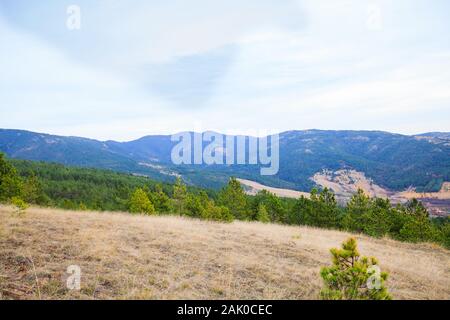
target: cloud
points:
(160, 67)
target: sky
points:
(110, 69)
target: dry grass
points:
(123, 256)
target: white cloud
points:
(296, 65)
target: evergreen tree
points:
(32, 190)
(321, 210)
(273, 205)
(195, 207)
(10, 183)
(397, 220)
(445, 233)
(325, 211)
(301, 211)
(160, 200)
(233, 197)
(417, 229)
(378, 218)
(417, 226)
(179, 195)
(352, 277)
(262, 215)
(356, 212)
(415, 208)
(140, 203)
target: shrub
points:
(352, 277)
(21, 206)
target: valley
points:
(345, 183)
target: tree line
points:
(73, 188)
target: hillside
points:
(393, 161)
(124, 256)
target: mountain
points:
(393, 161)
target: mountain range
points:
(393, 161)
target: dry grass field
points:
(133, 257)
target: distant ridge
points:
(393, 161)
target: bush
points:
(352, 277)
(21, 206)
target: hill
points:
(123, 256)
(393, 161)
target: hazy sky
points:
(144, 67)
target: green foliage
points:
(92, 189)
(275, 207)
(161, 200)
(352, 277)
(10, 183)
(201, 206)
(378, 219)
(417, 229)
(20, 205)
(402, 160)
(321, 210)
(262, 215)
(356, 212)
(179, 195)
(140, 203)
(417, 226)
(32, 191)
(67, 187)
(445, 233)
(233, 197)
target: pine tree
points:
(160, 200)
(445, 233)
(415, 208)
(417, 229)
(325, 210)
(301, 211)
(276, 211)
(179, 194)
(352, 277)
(10, 183)
(378, 218)
(262, 215)
(356, 212)
(140, 203)
(32, 190)
(233, 197)
(417, 226)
